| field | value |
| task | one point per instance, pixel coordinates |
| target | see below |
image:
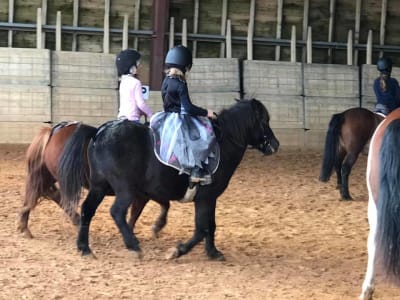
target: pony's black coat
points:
(121, 159)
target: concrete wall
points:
(40, 86)
(301, 98)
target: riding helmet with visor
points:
(179, 57)
(125, 60)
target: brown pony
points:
(383, 182)
(348, 133)
(42, 164)
(43, 157)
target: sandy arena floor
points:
(285, 236)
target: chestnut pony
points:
(347, 135)
(383, 182)
(43, 159)
(42, 164)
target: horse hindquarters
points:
(331, 147)
(388, 226)
(38, 181)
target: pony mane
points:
(241, 116)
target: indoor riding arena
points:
(283, 233)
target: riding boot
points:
(200, 176)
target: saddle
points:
(62, 125)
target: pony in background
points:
(348, 133)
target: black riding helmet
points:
(125, 60)
(384, 64)
(179, 57)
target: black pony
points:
(122, 159)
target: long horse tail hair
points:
(388, 226)
(38, 176)
(73, 168)
(331, 146)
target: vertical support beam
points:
(75, 19)
(350, 48)
(44, 18)
(332, 7)
(184, 32)
(250, 30)
(171, 32)
(278, 29)
(293, 45)
(305, 27)
(383, 26)
(58, 31)
(136, 23)
(125, 32)
(357, 29)
(309, 45)
(224, 24)
(39, 28)
(195, 26)
(228, 39)
(369, 47)
(106, 37)
(160, 25)
(10, 20)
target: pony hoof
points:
(26, 233)
(172, 253)
(137, 254)
(366, 295)
(218, 256)
(76, 220)
(85, 251)
(155, 230)
(347, 198)
(89, 254)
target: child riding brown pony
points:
(348, 133)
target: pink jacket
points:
(131, 103)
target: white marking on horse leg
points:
(368, 284)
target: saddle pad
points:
(184, 142)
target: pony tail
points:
(388, 227)
(383, 82)
(73, 170)
(331, 146)
(37, 173)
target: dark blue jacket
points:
(391, 97)
(175, 96)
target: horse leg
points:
(368, 284)
(161, 221)
(211, 250)
(205, 228)
(54, 194)
(136, 211)
(118, 212)
(338, 166)
(348, 163)
(23, 220)
(88, 210)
